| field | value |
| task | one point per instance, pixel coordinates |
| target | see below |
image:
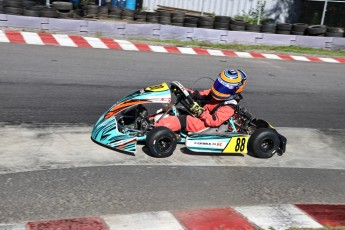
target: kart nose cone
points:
(106, 133)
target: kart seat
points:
(222, 128)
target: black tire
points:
(237, 27)
(316, 29)
(206, 27)
(152, 14)
(221, 26)
(137, 17)
(103, 10)
(335, 30)
(68, 14)
(263, 143)
(205, 23)
(62, 5)
(177, 24)
(115, 10)
(177, 19)
(254, 28)
(153, 19)
(297, 33)
(13, 10)
(269, 28)
(192, 25)
(27, 4)
(100, 15)
(37, 8)
(191, 20)
(178, 15)
(222, 19)
(91, 11)
(129, 18)
(127, 13)
(49, 13)
(161, 142)
(284, 26)
(205, 19)
(283, 32)
(299, 27)
(163, 19)
(11, 3)
(237, 22)
(330, 34)
(164, 14)
(31, 13)
(114, 16)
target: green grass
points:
(325, 228)
(248, 48)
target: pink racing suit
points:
(211, 117)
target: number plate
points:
(237, 145)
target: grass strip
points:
(246, 48)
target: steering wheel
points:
(181, 94)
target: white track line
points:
(126, 45)
(158, 49)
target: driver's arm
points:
(218, 118)
(199, 95)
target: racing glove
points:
(196, 109)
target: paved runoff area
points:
(31, 38)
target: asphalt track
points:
(54, 87)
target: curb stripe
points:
(9, 36)
(281, 216)
(142, 47)
(15, 37)
(277, 217)
(110, 43)
(272, 56)
(48, 39)
(79, 41)
(327, 215)
(32, 38)
(96, 43)
(64, 40)
(144, 221)
(257, 55)
(76, 223)
(185, 50)
(172, 49)
(159, 49)
(226, 218)
(3, 37)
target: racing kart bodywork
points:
(128, 122)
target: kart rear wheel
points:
(263, 143)
(161, 142)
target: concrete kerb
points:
(120, 29)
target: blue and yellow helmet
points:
(228, 83)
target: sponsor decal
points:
(208, 143)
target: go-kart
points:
(129, 121)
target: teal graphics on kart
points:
(129, 121)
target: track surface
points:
(66, 85)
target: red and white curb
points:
(9, 36)
(282, 216)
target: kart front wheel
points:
(263, 143)
(161, 142)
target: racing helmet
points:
(228, 83)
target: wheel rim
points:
(164, 144)
(267, 145)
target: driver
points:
(217, 104)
